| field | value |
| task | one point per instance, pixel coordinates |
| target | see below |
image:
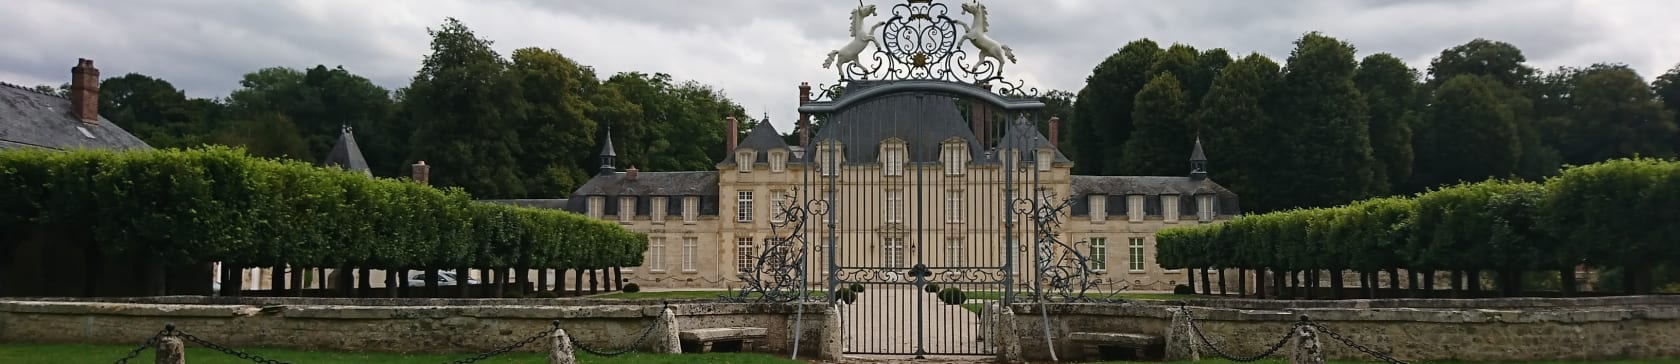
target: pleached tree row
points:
(1621, 215)
(151, 213)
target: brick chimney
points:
(630, 174)
(1055, 131)
(732, 133)
(804, 119)
(84, 91)
(422, 173)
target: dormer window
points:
(1099, 207)
(1134, 208)
(778, 161)
(954, 155)
(892, 157)
(1169, 208)
(1205, 208)
(596, 205)
(657, 213)
(690, 209)
(1044, 159)
(744, 159)
(626, 209)
(830, 155)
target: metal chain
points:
(225, 350)
(633, 345)
(1222, 354)
(505, 349)
(150, 342)
(1356, 346)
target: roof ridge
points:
(30, 89)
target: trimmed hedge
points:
(220, 204)
(1619, 213)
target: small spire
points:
(608, 165)
(1198, 161)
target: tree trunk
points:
(559, 282)
(1412, 278)
(391, 285)
(234, 281)
(1294, 284)
(1336, 284)
(1365, 285)
(1260, 283)
(433, 281)
(1242, 283)
(1636, 279)
(1207, 287)
(1279, 291)
(463, 277)
(522, 276)
(277, 281)
(1221, 282)
(364, 282)
(579, 290)
(618, 278)
(297, 281)
(1429, 284)
(1567, 275)
(1312, 284)
(346, 281)
(1190, 280)
(498, 281)
(542, 280)
(1394, 281)
(594, 284)
(1474, 280)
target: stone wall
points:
(385, 325)
(1409, 329)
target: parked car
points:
(445, 278)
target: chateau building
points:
(907, 156)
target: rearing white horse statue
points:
(860, 38)
(976, 34)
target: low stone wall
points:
(387, 325)
(1410, 329)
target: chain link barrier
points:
(213, 346)
(539, 335)
(150, 342)
(1275, 347)
(626, 349)
(169, 330)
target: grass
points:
(684, 295)
(1282, 361)
(17, 353)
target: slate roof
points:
(761, 139)
(703, 184)
(1116, 187)
(30, 119)
(345, 154)
(921, 120)
(1024, 134)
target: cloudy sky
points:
(759, 50)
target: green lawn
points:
(1282, 361)
(15, 353)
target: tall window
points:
(1099, 207)
(744, 255)
(658, 213)
(596, 204)
(954, 252)
(690, 209)
(656, 254)
(1204, 208)
(626, 209)
(1169, 207)
(1134, 207)
(954, 156)
(690, 247)
(895, 206)
(743, 206)
(892, 158)
(778, 206)
(829, 158)
(1099, 254)
(778, 161)
(1134, 254)
(954, 206)
(1044, 159)
(893, 252)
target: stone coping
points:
(1543, 314)
(723, 333)
(1131, 340)
(337, 301)
(1483, 303)
(604, 311)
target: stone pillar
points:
(1008, 343)
(560, 347)
(834, 336)
(669, 342)
(1181, 342)
(1304, 346)
(170, 350)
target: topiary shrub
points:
(931, 288)
(846, 295)
(857, 288)
(632, 288)
(952, 296)
(1183, 289)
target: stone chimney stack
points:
(804, 119)
(732, 132)
(1055, 132)
(422, 173)
(84, 91)
(631, 174)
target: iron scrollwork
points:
(922, 41)
(1064, 271)
(780, 270)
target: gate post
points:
(1181, 346)
(834, 335)
(170, 350)
(1304, 346)
(560, 347)
(1008, 343)
(669, 342)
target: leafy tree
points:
(459, 106)
(1103, 109)
(1468, 134)
(1614, 114)
(1388, 87)
(1178, 60)
(1200, 78)
(1667, 88)
(155, 111)
(1235, 130)
(320, 101)
(269, 135)
(1499, 60)
(553, 122)
(1322, 116)
(1058, 103)
(60, 90)
(1161, 143)
(1623, 210)
(1524, 91)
